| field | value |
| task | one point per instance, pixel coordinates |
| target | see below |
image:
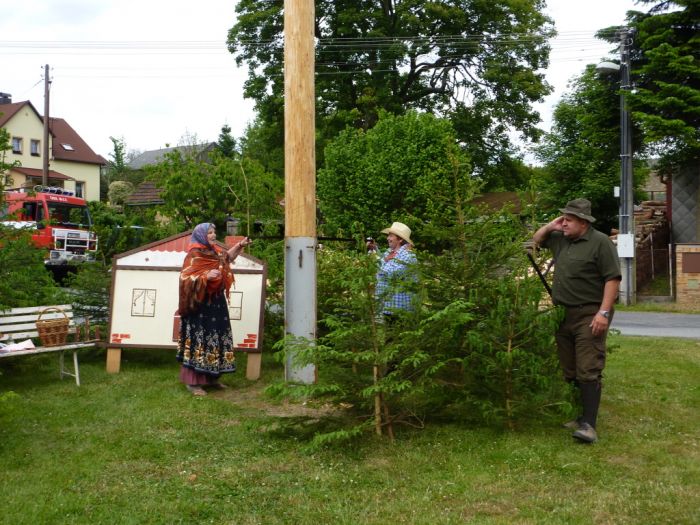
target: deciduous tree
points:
(482, 61)
(400, 170)
(666, 77)
(195, 190)
(581, 154)
(24, 279)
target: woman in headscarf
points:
(205, 347)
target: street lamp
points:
(626, 235)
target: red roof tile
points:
(68, 145)
(37, 173)
(10, 110)
(497, 200)
(145, 193)
(62, 133)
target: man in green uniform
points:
(586, 283)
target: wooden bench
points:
(19, 324)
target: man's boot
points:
(574, 424)
(590, 397)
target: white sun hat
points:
(400, 230)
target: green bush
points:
(479, 348)
(89, 292)
(24, 279)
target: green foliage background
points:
(463, 60)
(582, 152)
(196, 191)
(24, 279)
(666, 75)
(400, 170)
(479, 348)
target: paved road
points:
(657, 324)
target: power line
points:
(566, 47)
(340, 42)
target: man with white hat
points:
(586, 283)
(396, 271)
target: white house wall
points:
(144, 330)
(82, 172)
(156, 330)
(26, 125)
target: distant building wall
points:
(688, 274)
(686, 184)
(26, 126)
(88, 173)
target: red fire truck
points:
(60, 222)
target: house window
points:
(35, 147)
(67, 147)
(235, 308)
(143, 302)
(17, 145)
(80, 189)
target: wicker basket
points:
(52, 332)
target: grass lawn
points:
(136, 448)
(660, 285)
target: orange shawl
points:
(194, 286)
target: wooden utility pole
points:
(299, 180)
(45, 164)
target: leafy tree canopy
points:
(119, 190)
(582, 152)
(24, 279)
(481, 59)
(226, 145)
(263, 142)
(666, 77)
(118, 169)
(125, 228)
(196, 191)
(117, 162)
(397, 171)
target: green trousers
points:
(581, 354)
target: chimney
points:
(5, 98)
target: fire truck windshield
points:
(68, 215)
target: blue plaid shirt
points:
(394, 277)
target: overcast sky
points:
(153, 71)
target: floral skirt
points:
(206, 341)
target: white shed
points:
(144, 300)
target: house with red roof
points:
(73, 165)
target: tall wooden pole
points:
(299, 180)
(45, 164)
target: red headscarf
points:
(202, 257)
